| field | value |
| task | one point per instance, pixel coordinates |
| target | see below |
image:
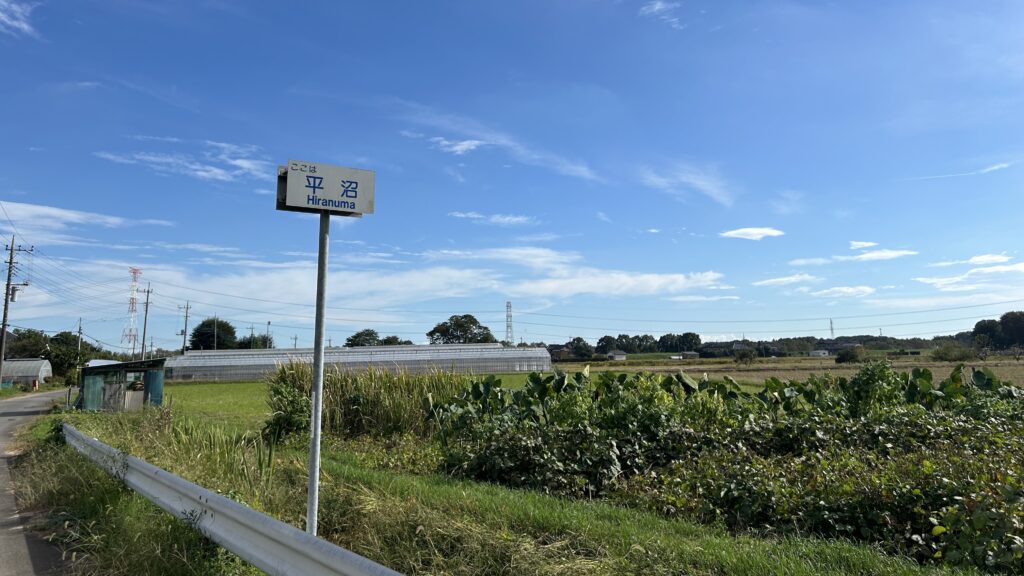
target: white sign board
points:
(315, 187)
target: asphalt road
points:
(22, 551)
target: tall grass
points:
(415, 524)
(376, 401)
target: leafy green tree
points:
(531, 345)
(606, 344)
(988, 333)
(255, 342)
(394, 341)
(213, 334)
(27, 343)
(745, 356)
(580, 348)
(1012, 326)
(367, 337)
(690, 341)
(464, 329)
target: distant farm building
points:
(688, 355)
(241, 365)
(819, 354)
(616, 355)
(28, 371)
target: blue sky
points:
(743, 168)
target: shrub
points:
(848, 355)
(953, 352)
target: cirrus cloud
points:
(845, 292)
(751, 233)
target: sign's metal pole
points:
(313, 492)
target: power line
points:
(775, 320)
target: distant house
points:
(30, 371)
(616, 355)
(688, 355)
(819, 354)
(559, 353)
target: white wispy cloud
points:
(788, 202)
(845, 292)
(495, 219)
(980, 260)
(663, 11)
(218, 161)
(751, 233)
(563, 274)
(985, 170)
(880, 254)
(525, 256)
(605, 282)
(787, 280)
(145, 138)
(603, 217)
(15, 18)
(653, 231)
(542, 237)
(682, 179)
(457, 147)
(700, 298)
(471, 130)
(197, 247)
(973, 279)
(49, 225)
(859, 245)
(810, 261)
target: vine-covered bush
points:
(932, 469)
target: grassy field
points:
(414, 523)
(383, 499)
(235, 406)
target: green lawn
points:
(236, 406)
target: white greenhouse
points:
(26, 371)
(242, 365)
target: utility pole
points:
(78, 359)
(7, 297)
(267, 343)
(184, 332)
(295, 341)
(252, 336)
(214, 331)
(328, 342)
(145, 318)
(152, 350)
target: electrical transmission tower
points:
(130, 335)
(508, 324)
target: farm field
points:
(414, 501)
(788, 368)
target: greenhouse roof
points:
(23, 367)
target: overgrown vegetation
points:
(416, 524)
(931, 469)
(376, 401)
(664, 475)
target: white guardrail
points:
(270, 545)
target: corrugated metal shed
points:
(240, 365)
(26, 370)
